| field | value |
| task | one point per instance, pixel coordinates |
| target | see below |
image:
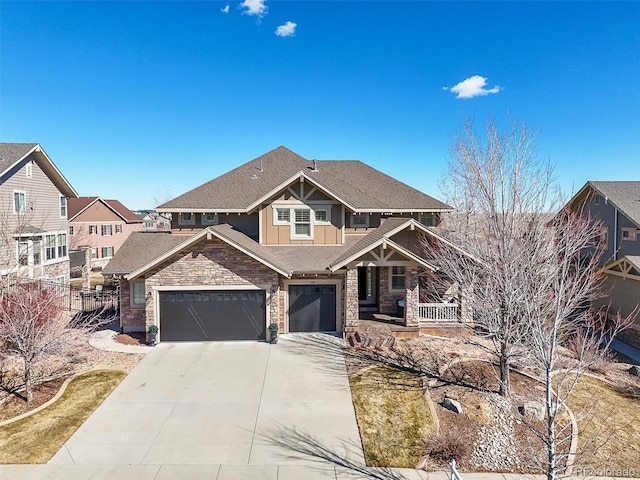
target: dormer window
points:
(186, 218)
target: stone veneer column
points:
(351, 308)
(411, 298)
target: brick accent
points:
(411, 299)
(352, 309)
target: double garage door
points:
(201, 315)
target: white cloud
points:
(225, 9)
(286, 30)
(473, 87)
(254, 7)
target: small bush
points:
(457, 442)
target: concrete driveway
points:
(226, 403)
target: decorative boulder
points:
(452, 405)
(533, 410)
(635, 370)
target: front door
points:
(367, 286)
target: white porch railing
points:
(437, 312)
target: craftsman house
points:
(33, 240)
(308, 245)
(617, 206)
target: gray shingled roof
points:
(361, 186)
(10, 153)
(139, 249)
(624, 194)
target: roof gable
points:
(76, 206)
(14, 155)
(624, 195)
(356, 185)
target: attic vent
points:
(315, 166)
(254, 176)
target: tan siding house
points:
(280, 242)
(34, 196)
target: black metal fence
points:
(78, 299)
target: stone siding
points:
(352, 308)
(412, 298)
(131, 319)
(212, 263)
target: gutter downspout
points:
(615, 234)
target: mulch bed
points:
(16, 403)
(132, 338)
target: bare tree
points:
(560, 282)
(34, 324)
(499, 188)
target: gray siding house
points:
(617, 206)
(33, 209)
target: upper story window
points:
(360, 220)
(118, 228)
(428, 219)
(19, 201)
(63, 207)
(322, 215)
(71, 229)
(629, 234)
(282, 216)
(186, 218)
(397, 278)
(106, 229)
(93, 229)
(107, 252)
(28, 169)
(209, 218)
(302, 222)
(596, 199)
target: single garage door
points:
(312, 308)
(212, 315)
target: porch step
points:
(371, 339)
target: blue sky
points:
(141, 101)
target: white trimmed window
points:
(282, 216)
(138, 295)
(360, 220)
(62, 245)
(322, 215)
(93, 229)
(629, 234)
(23, 252)
(50, 247)
(106, 230)
(396, 281)
(63, 206)
(107, 252)
(209, 218)
(118, 228)
(94, 252)
(186, 218)
(302, 223)
(19, 201)
(37, 254)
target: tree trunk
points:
(28, 388)
(505, 380)
(551, 428)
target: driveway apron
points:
(226, 403)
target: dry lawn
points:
(37, 438)
(393, 416)
(609, 431)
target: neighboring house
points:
(101, 225)
(308, 245)
(617, 206)
(35, 195)
(154, 221)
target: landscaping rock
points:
(452, 405)
(533, 410)
(635, 370)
